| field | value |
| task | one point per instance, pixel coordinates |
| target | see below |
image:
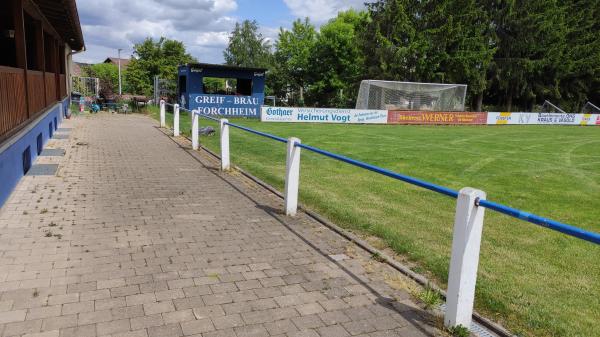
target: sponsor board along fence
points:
(366, 116)
(318, 115)
(542, 118)
(468, 220)
(449, 118)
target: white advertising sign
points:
(535, 118)
(322, 115)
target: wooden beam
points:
(56, 68)
(34, 11)
(40, 55)
(62, 58)
(38, 36)
(21, 46)
(49, 44)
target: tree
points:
(293, 52)
(510, 53)
(469, 46)
(531, 49)
(155, 58)
(214, 85)
(407, 39)
(247, 47)
(581, 66)
(337, 61)
(389, 38)
(107, 74)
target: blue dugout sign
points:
(221, 90)
(227, 105)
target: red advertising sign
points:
(436, 117)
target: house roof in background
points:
(115, 60)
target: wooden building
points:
(37, 40)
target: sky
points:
(202, 25)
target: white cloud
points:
(202, 25)
(213, 39)
(270, 33)
(225, 5)
(319, 11)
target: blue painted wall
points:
(11, 158)
(225, 105)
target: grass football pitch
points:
(533, 280)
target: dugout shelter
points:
(216, 89)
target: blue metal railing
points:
(541, 221)
(208, 117)
(535, 219)
(513, 212)
(414, 181)
(264, 134)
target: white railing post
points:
(195, 117)
(468, 226)
(176, 120)
(225, 164)
(162, 113)
(292, 176)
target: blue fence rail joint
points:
(513, 212)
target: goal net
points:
(86, 86)
(590, 108)
(551, 108)
(413, 96)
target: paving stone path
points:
(136, 236)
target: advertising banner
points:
(535, 118)
(226, 105)
(357, 116)
(437, 117)
(321, 115)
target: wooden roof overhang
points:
(63, 17)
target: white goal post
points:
(86, 86)
(413, 96)
(590, 108)
(548, 107)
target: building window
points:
(26, 160)
(8, 56)
(61, 58)
(40, 144)
(31, 36)
(49, 52)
